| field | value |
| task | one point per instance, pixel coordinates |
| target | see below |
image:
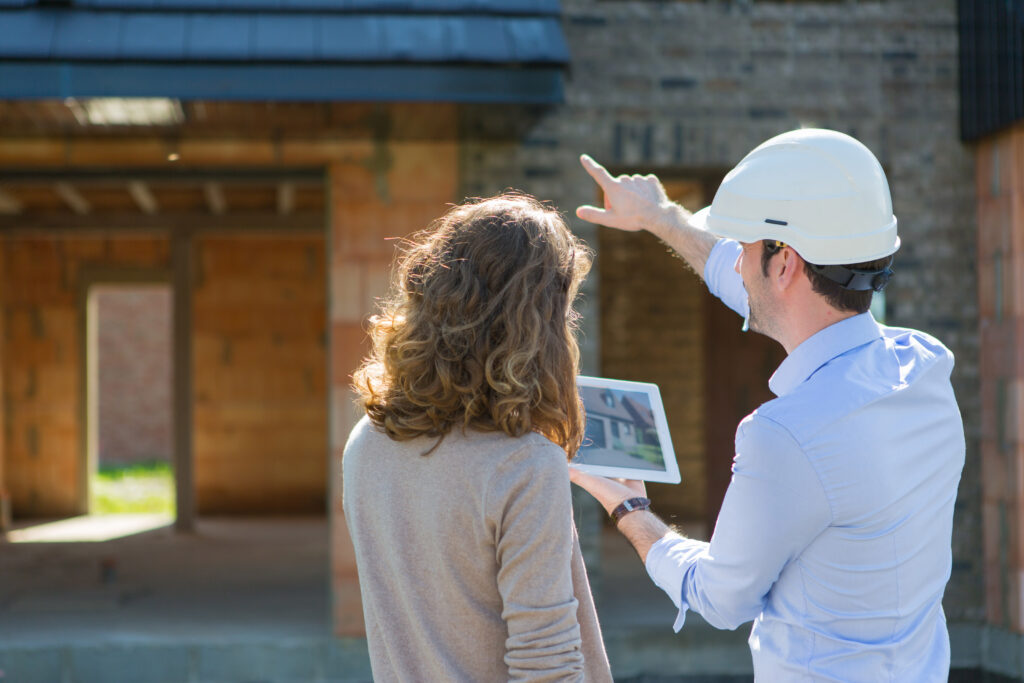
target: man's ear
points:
(790, 267)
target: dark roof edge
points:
(991, 66)
(304, 82)
(466, 7)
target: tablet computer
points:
(627, 432)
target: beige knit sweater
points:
(468, 560)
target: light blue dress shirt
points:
(835, 532)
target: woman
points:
(456, 483)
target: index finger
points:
(597, 171)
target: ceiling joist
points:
(285, 198)
(300, 222)
(9, 204)
(15, 177)
(70, 196)
(143, 197)
(215, 198)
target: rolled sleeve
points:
(722, 279)
(774, 507)
(667, 563)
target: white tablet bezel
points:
(671, 473)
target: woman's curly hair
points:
(479, 330)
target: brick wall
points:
(680, 88)
(1000, 188)
(652, 314)
(259, 388)
(392, 191)
(5, 502)
(260, 433)
(41, 299)
(133, 349)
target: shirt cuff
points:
(667, 563)
(722, 279)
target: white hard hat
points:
(819, 191)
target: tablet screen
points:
(627, 431)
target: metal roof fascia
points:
(296, 82)
(533, 7)
(265, 37)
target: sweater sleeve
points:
(530, 510)
(595, 659)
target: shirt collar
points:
(820, 348)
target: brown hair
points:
(479, 329)
(837, 296)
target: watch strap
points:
(630, 505)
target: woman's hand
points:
(608, 492)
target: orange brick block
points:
(349, 345)
(348, 606)
(140, 251)
(359, 228)
(423, 172)
(261, 259)
(995, 226)
(347, 291)
(424, 121)
(349, 182)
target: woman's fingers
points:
(608, 492)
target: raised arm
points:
(639, 202)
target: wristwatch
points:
(627, 506)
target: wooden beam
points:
(314, 150)
(285, 198)
(70, 196)
(143, 197)
(303, 221)
(185, 177)
(215, 198)
(9, 204)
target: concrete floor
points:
(247, 600)
(265, 576)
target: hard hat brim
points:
(699, 220)
(814, 250)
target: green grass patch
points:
(142, 488)
(651, 454)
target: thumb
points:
(592, 214)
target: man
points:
(834, 535)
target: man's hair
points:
(837, 296)
(479, 330)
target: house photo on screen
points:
(626, 432)
(620, 430)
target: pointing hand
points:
(631, 202)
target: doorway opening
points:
(129, 401)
